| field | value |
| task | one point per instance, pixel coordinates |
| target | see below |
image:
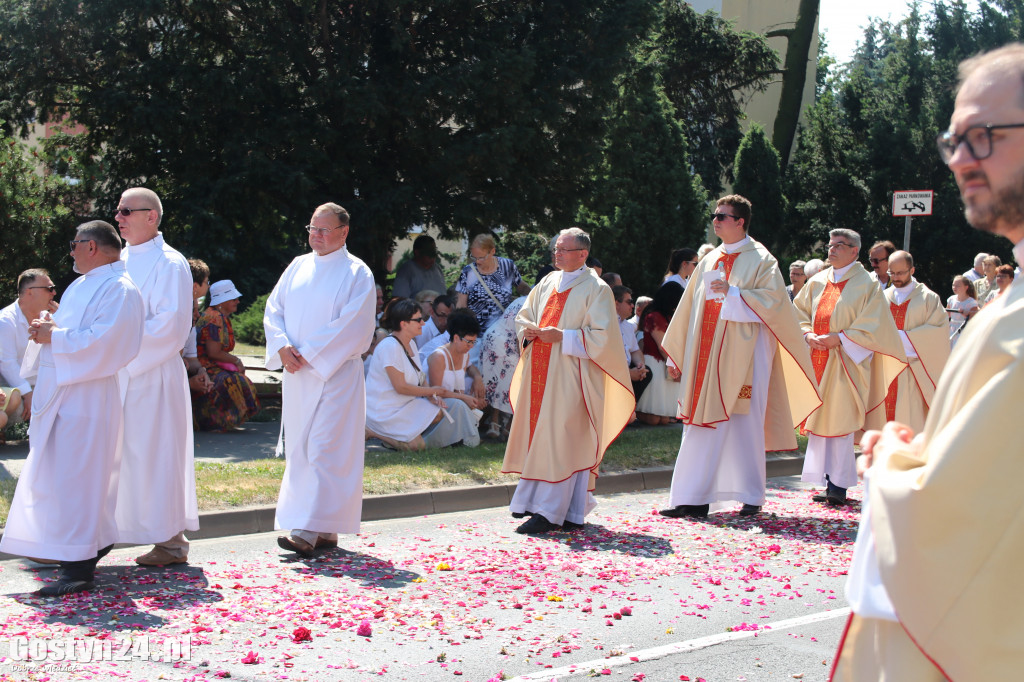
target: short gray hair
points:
(581, 237)
(846, 234)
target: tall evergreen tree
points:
(758, 177)
(644, 201)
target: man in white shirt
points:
(157, 493)
(63, 508)
(978, 271)
(440, 309)
(638, 371)
(319, 321)
(36, 293)
(878, 259)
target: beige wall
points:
(762, 16)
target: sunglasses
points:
(128, 211)
(722, 216)
(52, 288)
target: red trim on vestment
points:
(839, 651)
(708, 324)
(541, 357)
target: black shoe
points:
(676, 512)
(521, 515)
(750, 510)
(694, 511)
(569, 526)
(64, 586)
(820, 497)
(536, 525)
(835, 500)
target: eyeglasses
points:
(128, 211)
(693, 262)
(1002, 276)
(78, 241)
(322, 231)
(977, 138)
(722, 216)
(897, 274)
(559, 249)
(876, 261)
(416, 319)
(52, 288)
(838, 244)
(627, 301)
(480, 258)
(468, 342)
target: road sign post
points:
(910, 204)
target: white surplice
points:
(157, 495)
(323, 306)
(726, 463)
(63, 507)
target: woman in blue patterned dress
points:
(488, 284)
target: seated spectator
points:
(440, 309)
(489, 283)
(797, 278)
(36, 293)
(1004, 278)
(380, 303)
(499, 356)
(449, 368)
(660, 400)
(10, 401)
(813, 267)
(639, 375)
(987, 283)
(420, 272)
(233, 398)
(379, 334)
(198, 380)
(401, 409)
(680, 266)
(595, 265)
(961, 307)
(200, 277)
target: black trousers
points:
(84, 569)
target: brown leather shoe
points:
(293, 544)
(158, 556)
(324, 543)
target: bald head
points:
(901, 258)
(901, 269)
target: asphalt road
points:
(634, 596)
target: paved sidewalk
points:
(258, 441)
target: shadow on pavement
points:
(597, 538)
(125, 598)
(369, 570)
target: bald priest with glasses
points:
(319, 321)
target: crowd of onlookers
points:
(442, 359)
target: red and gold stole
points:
(542, 356)
(822, 319)
(899, 315)
(712, 309)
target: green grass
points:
(256, 482)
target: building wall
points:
(762, 16)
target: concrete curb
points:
(219, 524)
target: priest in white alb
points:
(63, 507)
(923, 325)
(319, 321)
(746, 372)
(157, 495)
(571, 391)
(856, 354)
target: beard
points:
(1007, 206)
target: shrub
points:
(248, 324)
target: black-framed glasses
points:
(722, 216)
(78, 241)
(128, 211)
(627, 301)
(52, 288)
(838, 244)
(694, 263)
(559, 249)
(977, 138)
(416, 319)
(322, 231)
(468, 342)
(876, 261)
